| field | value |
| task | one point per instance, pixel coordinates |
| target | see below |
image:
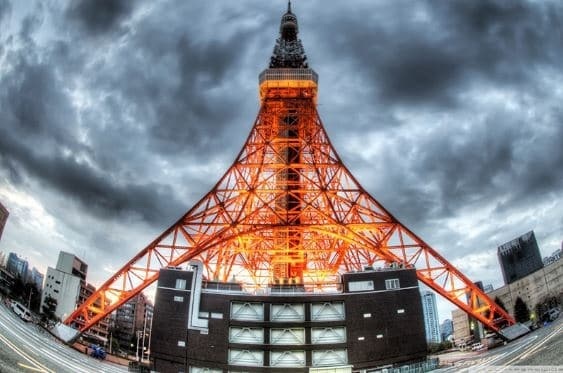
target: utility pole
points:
(139, 332)
(150, 336)
(144, 334)
(29, 299)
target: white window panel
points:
(247, 311)
(287, 312)
(246, 335)
(328, 335)
(253, 358)
(329, 357)
(327, 311)
(288, 336)
(360, 286)
(180, 284)
(392, 283)
(204, 370)
(287, 359)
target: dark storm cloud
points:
(99, 16)
(427, 53)
(40, 138)
(5, 10)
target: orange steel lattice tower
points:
(288, 212)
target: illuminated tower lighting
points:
(288, 211)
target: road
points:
(25, 347)
(539, 351)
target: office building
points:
(132, 318)
(519, 257)
(67, 285)
(375, 320)
(17, 266)
(431, 323)
(3, 218)
(447, 330)
(533, 289)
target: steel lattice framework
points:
(288, 211)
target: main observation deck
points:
(288, 83)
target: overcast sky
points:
(117, 116)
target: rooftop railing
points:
(288, 74)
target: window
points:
(180, 283)
(392, 283)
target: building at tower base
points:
(374, 320)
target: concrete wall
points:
(534, 288)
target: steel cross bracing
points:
(289, 211)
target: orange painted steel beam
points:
(288, 210)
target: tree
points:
(521, 311)
(48, 311)
(500, 304)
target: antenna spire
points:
(288, 51)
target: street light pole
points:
(137, 347)
(150, 336)
(144, 331)
(29, 299)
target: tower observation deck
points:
(288, 211)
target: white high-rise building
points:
(64, 282)
(431, 324)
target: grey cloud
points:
(99, 16)
(431, 62)
(5, 10)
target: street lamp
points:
(29, 299)
(139, 334)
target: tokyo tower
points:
(288, 212)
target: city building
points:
(447, 330)
(462, 335)
(6, 281)
(133, 324)
(519, 257)
(17, 266)
(67, 285)
(71, 264)
(36, 278)
(431, 323)
(533, 289)
(3, 218)
(375, 320)
(555, 256)
(99, 332)
(64, 288)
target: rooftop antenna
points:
(289, 6)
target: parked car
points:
(477, 347)
(553, 314)
(21, 311)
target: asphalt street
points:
(25, 347)
(539, 351)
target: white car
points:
(21, 311)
